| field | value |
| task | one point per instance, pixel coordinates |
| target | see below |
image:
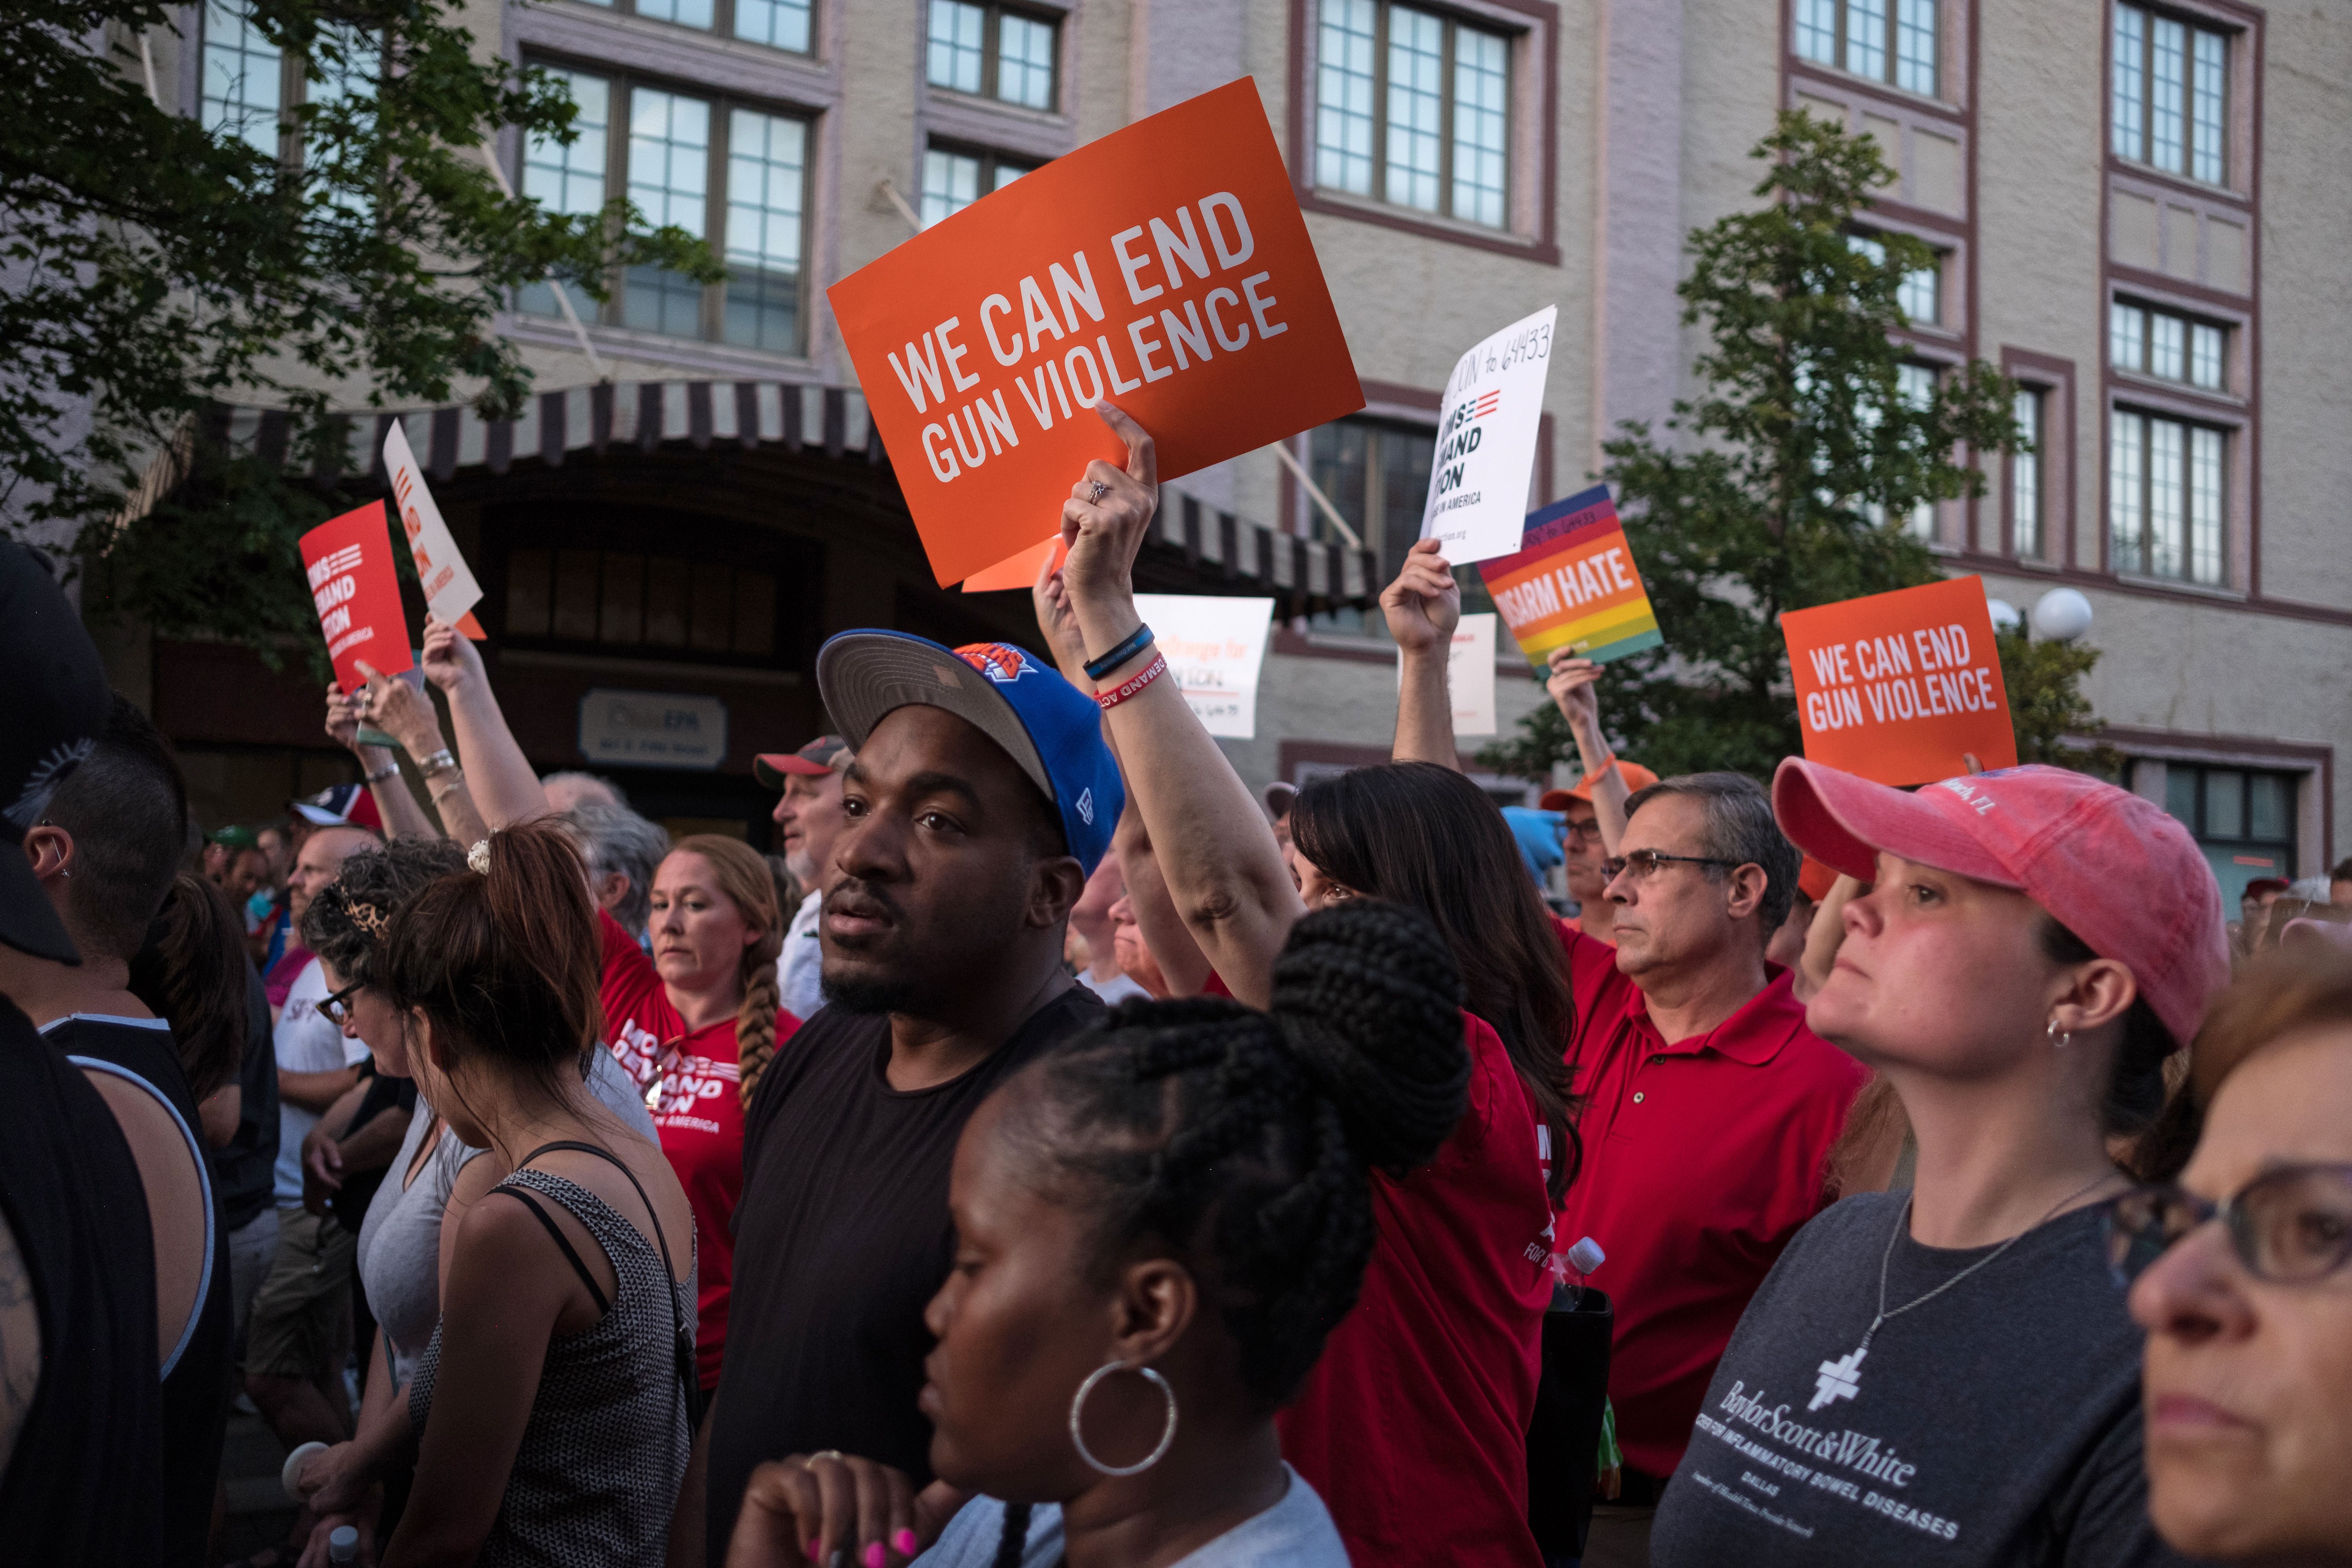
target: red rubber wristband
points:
(1133, 683)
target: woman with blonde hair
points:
(694, 1023)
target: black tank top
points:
(197, 1369)
(92, 1443)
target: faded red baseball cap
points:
(2108, 866)
(1637, 777)
(825, 755)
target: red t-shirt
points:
(1701, 1158)
(1412, 1428)
(690, 1084)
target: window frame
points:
(990, 159)
(293, 85)
(2145, 567)
(622, 84)
(2234, 37)
(2052, 382)
(1890, 48)
(992, 55)
(2190, 323)
(722, 25)
(1530, 31)
(1452, 22)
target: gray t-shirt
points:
(1998, 1423)
(399, 1250)
(1296, 1533)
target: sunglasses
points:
(2290, 1226)
(338, 1006)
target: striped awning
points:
(797, 416)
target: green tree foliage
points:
(1769, 491)
(351, 252)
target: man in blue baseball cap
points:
(982, 797)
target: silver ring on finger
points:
(821, 1454)
(1100, 491)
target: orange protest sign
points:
(1164, 267)
(1902, 688)
(1019, 570)
(347, 563)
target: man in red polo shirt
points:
(1710, 1110)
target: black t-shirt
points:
(92, 1448)
(243, 1167)
(1998, 1423)
(842, 1238)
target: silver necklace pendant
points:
(1842, 1378)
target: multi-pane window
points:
(1377, 475)
(623, 599)
(1887, 40)
(729, 173)
(778, 24)
(570, 180)
(2025, 476)
(244, 77)
(2164, 480)
(2168, 347)
(767, 172)
(952, 180)
(1413, 108)
(2171, 94)
(1920, 293)
(2242, 819)
(990, 52)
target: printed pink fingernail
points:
(816, 1548)
(873, 1557)
(905, 1543)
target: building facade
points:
(2120, 196)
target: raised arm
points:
(499, 781)
(380, 765)
(1423, 605)
(1224, 872)
(1575, 688)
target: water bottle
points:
(342, 1544)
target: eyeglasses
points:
(1572, 831)
(338, 1006)
(2290, 1226)
(1642, 863)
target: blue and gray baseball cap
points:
(1046, 725)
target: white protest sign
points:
(1486, 443)
(1469, 674)
(450, 591)
(1216, 647)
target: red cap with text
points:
(2108, 866)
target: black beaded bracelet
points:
(1135, 643)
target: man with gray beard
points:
(808, 820)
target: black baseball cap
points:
(53, 706)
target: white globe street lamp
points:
(2062, 615)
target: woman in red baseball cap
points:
(1948, 1376)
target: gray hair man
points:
(808, 821)
(1710, 1108)
(566, 790)
(623, 852)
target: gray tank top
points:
(399, 1250)
(606, 1446)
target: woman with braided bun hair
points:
(1157, 1225)
(694, 1023)
(1413, 1425)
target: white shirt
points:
(307, 1041)
(797, 983)
(1296, 1533)
(1115, 990)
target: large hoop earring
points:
(2059, 1037)
(1078, 1406)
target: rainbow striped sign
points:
(1573, 584)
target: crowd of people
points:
(1058, 1153)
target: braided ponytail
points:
(1243, 1139)
(742, 874)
